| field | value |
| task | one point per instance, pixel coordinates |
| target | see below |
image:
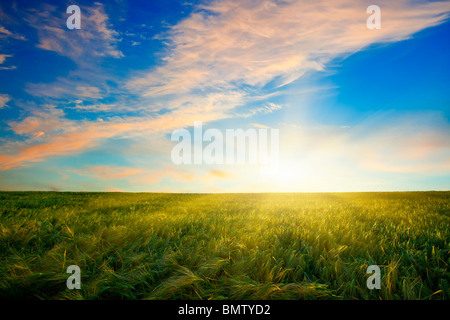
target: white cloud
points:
(88, 92)
(94, 39)
(4, 99)
(8, 68)
(100, 107)
(265, 109)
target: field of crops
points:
(225, 246)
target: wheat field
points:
(225, 246)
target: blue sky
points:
(94, 109)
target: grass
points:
(224, 246)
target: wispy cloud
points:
(42, 122)
(134, 175)
(95, 38)
(7, 33)
(229, 43)
(87, 48)
(265, 109)
(88, 82)
(387, 143)
(3, 57)
(220, 174)
(100, 107)
(8, 68)
(110, 172)
(4, 99)
(219, 58)
(70, 136)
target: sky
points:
(94, 109)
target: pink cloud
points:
(135, 176)
(56, 136)
(217, 48)
(248, 42)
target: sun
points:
(284, 173)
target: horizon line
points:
(201, 193)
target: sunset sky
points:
(94, 109)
